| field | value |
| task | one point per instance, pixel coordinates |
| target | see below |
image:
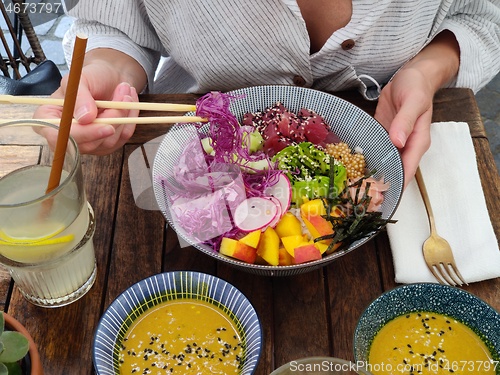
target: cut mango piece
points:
(289, 225)
(268, 248)
(284, 258)
(306, 253)
(291, 242)
(238, 250)
(252, 239)
(315, 207)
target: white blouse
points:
(224, 45)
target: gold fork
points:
(437, 251)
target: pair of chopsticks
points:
(164, 107)
(68, 107)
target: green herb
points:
(356, 222)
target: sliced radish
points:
(255, 213)
(279, 214)
(281, 190)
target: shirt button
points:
(299, 80)
(348, 44)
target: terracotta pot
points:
(14, 325)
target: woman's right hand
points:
(101, 79)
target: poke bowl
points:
(229, 218)
(178, 322)
(428, 328)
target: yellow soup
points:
(182, 336)
(429, 343)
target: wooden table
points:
(305, 315)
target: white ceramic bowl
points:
(353, 126)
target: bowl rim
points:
(287, 270)
(199, 276)
(454, 289)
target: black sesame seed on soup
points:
(429, 343)
(182, 336)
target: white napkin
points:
(450, 172)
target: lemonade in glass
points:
(46, 238)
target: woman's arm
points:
(476, 27)
(123, 53)
(126, 68)
(405, 103)
(439, 61)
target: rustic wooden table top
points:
(304, 315)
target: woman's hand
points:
(405, 103)
(405, 110)
(102, 78)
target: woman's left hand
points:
(405, 110)
(405, 103)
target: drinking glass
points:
(46, 238)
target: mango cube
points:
(292, 242)
(269, 245)
(312, 214)
(284, 258)
(238, 250)
(289, 225)
(314, 207)
(252, 239)
(318, 226)
(306, 253)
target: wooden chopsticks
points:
(125, 120)
(167, 107)
(144, 106)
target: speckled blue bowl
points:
(154, 290)
(441, 299)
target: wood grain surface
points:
(304, 315)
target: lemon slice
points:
(40, 241)
(52, 241)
